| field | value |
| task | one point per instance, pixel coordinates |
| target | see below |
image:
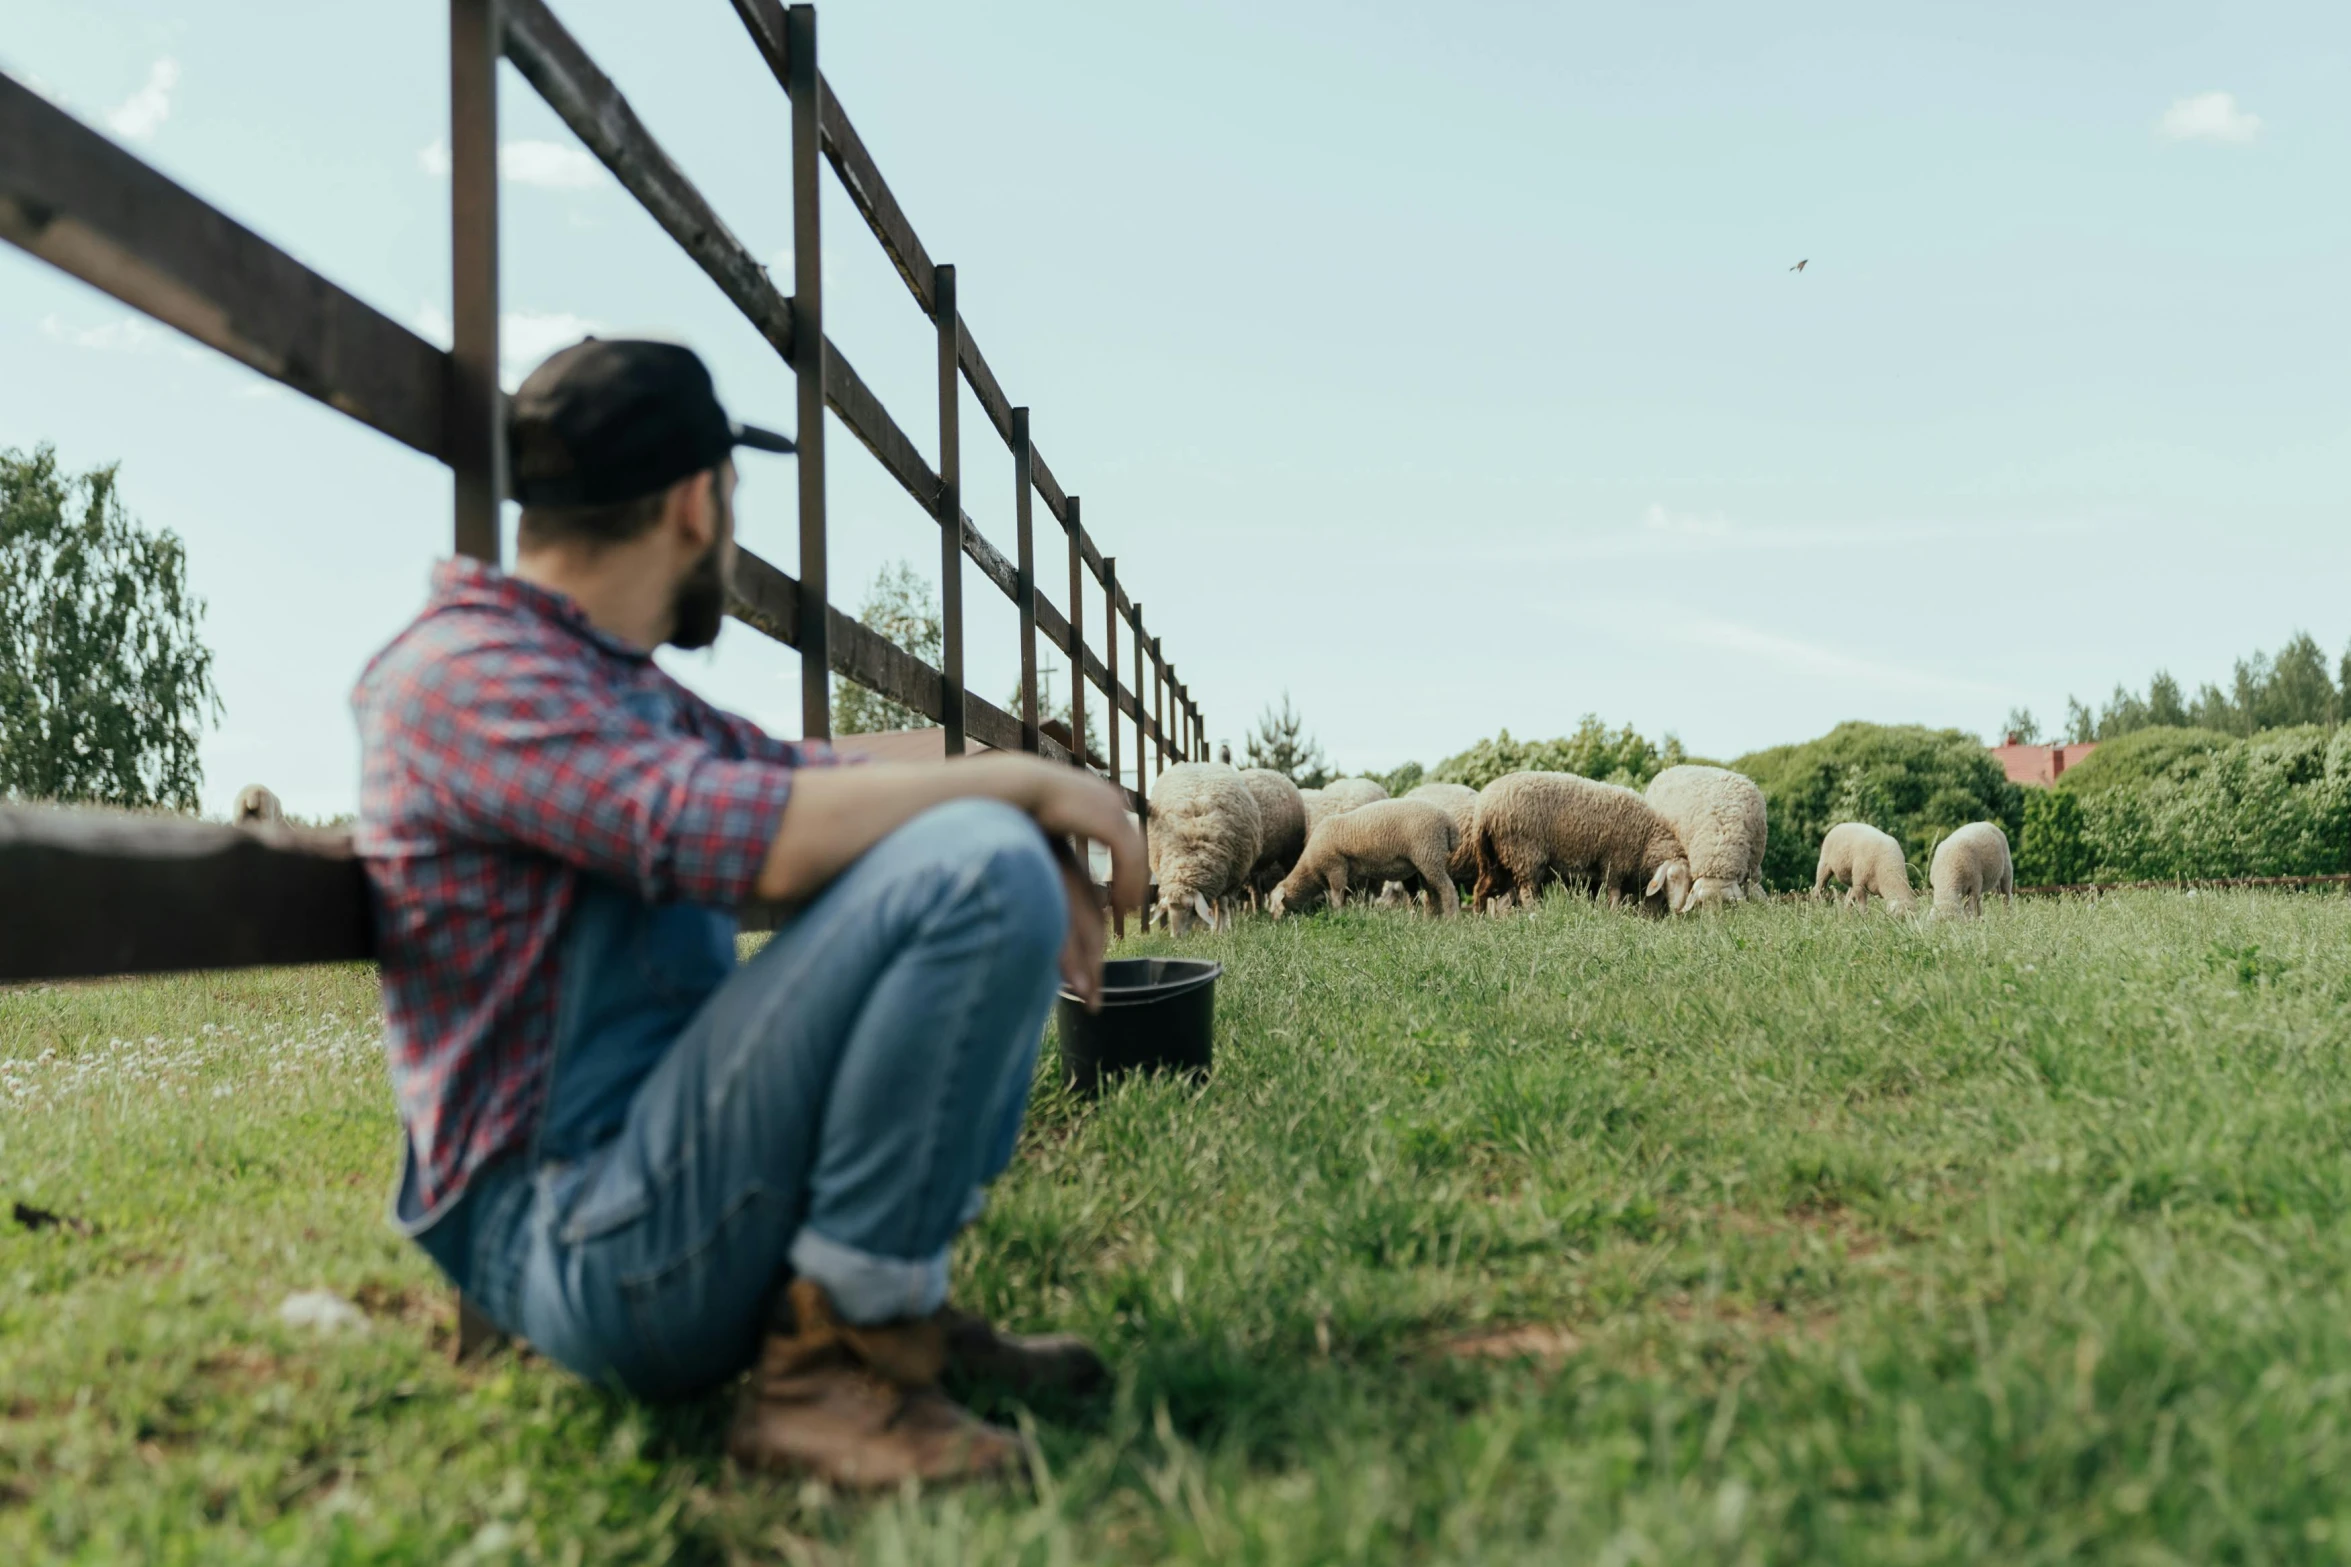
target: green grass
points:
(1785, 1235)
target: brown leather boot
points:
(1024, 1365)
(861, 1406)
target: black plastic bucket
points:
(1158, 1015)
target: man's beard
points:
(700, 605)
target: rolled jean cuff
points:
(866, 1288)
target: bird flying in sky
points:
(1801, 265)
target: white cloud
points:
(1828, 663)
(2210, 116)
(128, 335)
(142, 114)
(524, 336)
(39, 85)
(1687, 525)
(550, 165)
(547, 165)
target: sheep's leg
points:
(1439, 901)
(1821, 878)
(1335, 883)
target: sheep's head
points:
(256, 803)
(1179, 905)
(1673, 879)
(1294, 896)
(1707, 891)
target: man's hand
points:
(1070, 804)
(836, 814)
(1089, 935)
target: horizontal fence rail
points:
(88, 207)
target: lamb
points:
(256, 806)
(1460, 802)
(1971, 862)
(1867, 861)
(1402, 840)
(1344, 795)
(1719, 817)
(1205, 833)
(1281, 817)
(1529, 825)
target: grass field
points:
(1786, 1235)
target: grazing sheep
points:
(1867, 861)
(256, 804)
(1460, 802)
(1352, 792)
(1205, 832)
(1719, 817)
(1345, 795)
(1400, 840)
(1530, 825)
(1971, 862)
(1281, 816)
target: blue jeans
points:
(831, 1108)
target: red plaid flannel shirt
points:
(497, 766)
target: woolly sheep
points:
(1460, 802)
(1529, 825)
(1281, 816)
(1345, 795)
(1719, 817)
(1971, 862)
(1867, 861)
(1205, 832)
(256, 805)
(1352, 792)
(1403, 840)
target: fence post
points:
(808, 357)
(1024, 476)
(1110, 653)
(476, 433)
(1142, 783)
(1159, 703)
(1077, 638)
(950, 509)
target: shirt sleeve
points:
(738, 737)
(514, 746)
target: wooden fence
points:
(88, 207)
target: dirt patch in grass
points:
(241, 1365)
(1769, 1319)
(1546, 1344)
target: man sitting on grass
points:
(657, 1166)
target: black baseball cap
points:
(608, 421)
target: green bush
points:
(1594, 751)
(2052, 848)
(1918, 784)
(2143, 757)
(2277, 804)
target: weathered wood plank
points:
(101, 892)
(88, 208)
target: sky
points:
(1440, 366)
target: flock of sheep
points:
(1222, 837)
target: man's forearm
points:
(836, 814)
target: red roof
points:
(2040, 765)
